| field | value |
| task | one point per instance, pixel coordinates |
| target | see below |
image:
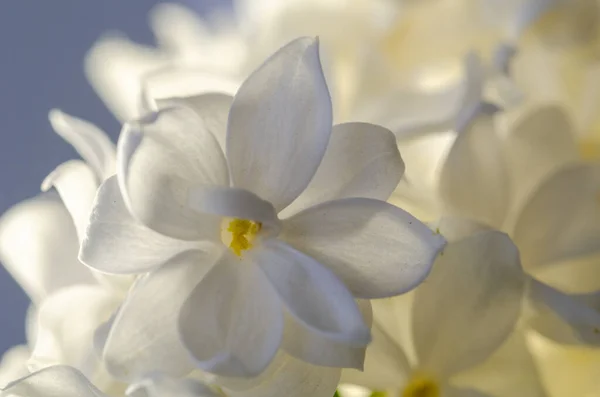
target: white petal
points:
(67, 321)
(76, 184)
(561, 220)
(117, 243)
(291, 377)
(455, 229)
(92, 144)
(510, 371)
(57, 381)
(312, 294)
(180, 81)
(564, 318)
(159, 385)
(573, 276)
(159, 158)
(38, 246)
(232, 323)
(376, 249)
(13, 364)
(469, 304)
(212, 108)
(419, 113)
(279, 124)
(300, 342)
(541, 142)
(115, 67)
(362, 160)
(144, 337)
(386, 364)
(232, 202)
(474, 179)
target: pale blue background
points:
(42, 45)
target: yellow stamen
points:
(242, 232)
(422, 386)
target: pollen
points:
(421, 386)
(240, 234)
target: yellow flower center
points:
(239, 234)
(421, 386)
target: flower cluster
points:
(255, 231)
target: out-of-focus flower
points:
(215, 239)
(40, 240)
(462, 314)
(529, 181)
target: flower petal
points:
(117, 243)
(159, 158)
(482, 277)
(565, 318)
(212, 108)
(538, 144)
(38, 246)
(67, 321)
(92, 144)
(290, 377)
(562, 219)
(362, 160)
(232, 323)
(159, 385)
(510, 371)
(386, 364)
(232, 202)
(144, 336)
(279, 124)
(414, 114)
(300, 342)
(376, 249)
(52, 382)
(312, 294)
(474, 179)
(115, 67)
(76, 184)
(13, 364)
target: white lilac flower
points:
(40, 241)
(285, 375)
(287, 227)
(130, 77)
(530, 182)
(464, 312)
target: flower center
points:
(239, 234)
(421, 386)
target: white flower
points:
(40, 240)
(529, 182)
(38, 243)
(285, 375)
(217, 250)
(462, 314)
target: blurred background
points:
(43, 45)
